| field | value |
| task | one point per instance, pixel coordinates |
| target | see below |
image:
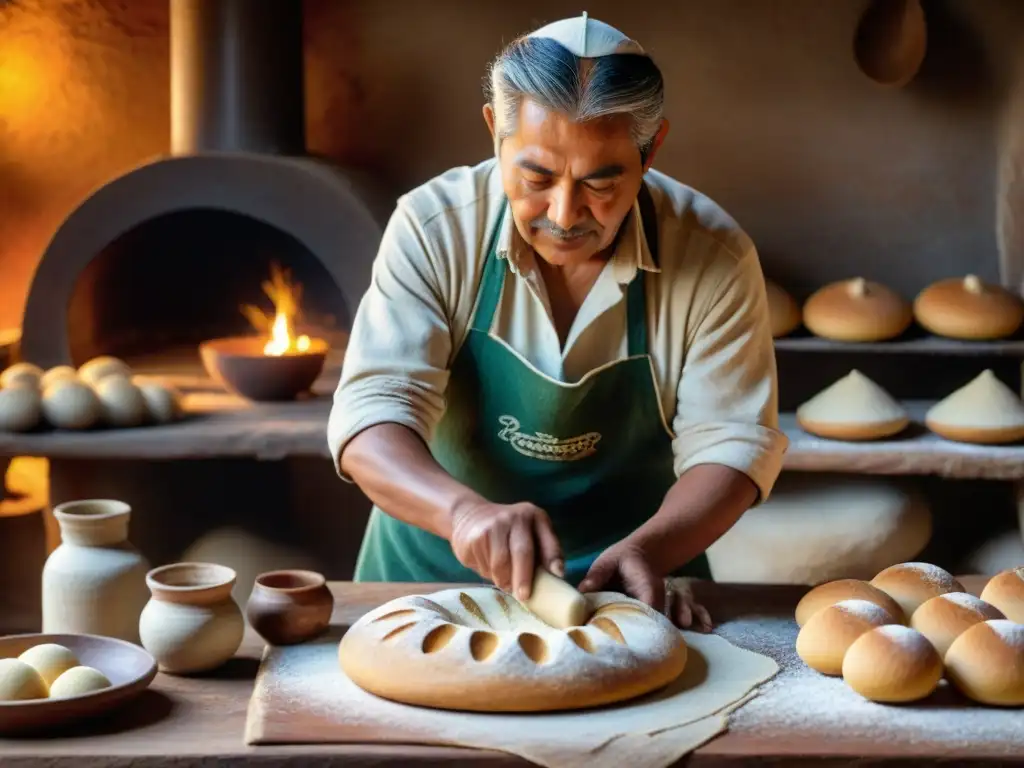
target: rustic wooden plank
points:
(918, 345)
(200, 721)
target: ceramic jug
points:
(95, 581)
(191, 623)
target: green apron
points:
(595, 454)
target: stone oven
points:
(162, 257)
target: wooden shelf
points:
(220, 425)
(915, 452)
(925, 345)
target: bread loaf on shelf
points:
(857, 310)
(969, 308)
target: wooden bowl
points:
(290, 606)
(239, 365)
(129, 668)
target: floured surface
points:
(799, 704)
(301, 696)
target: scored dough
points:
(556, 602)
(984, 410)
(481, 650)
(852, 408)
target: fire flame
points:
(285, 297)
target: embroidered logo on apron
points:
(546, 447)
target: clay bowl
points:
(288, 607)
(129, 668)
(239, 365)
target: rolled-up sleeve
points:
(727, 410)
(396, 363)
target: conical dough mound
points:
(853, 408)
(983, 411)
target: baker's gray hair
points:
(549, 74)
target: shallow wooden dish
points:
(239, 365)
(129, 668)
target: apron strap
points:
(636, 300)
(492, 281)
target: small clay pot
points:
(290, 606)
(240, 366)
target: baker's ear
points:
(658, 138)
(489, 119)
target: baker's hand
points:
(624, 567)
(505, 543)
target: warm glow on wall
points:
(35, 63)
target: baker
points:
(564, 357)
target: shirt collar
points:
(632, 252)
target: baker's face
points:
(570, 185)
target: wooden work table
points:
(201, 721)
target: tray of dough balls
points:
(907, 663)
(102, 393)
(52, 680)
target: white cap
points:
(588, 38)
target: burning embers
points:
(278, 364)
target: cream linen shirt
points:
(708, 332)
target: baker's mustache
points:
(544, 223)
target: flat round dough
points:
(852, 408)
(783, 311)
(480, 650)
(822, 526)
(969, 308)
(857, 310)
(984, 410)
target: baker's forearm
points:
(393, 467)
(704, 503)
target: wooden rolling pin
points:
(556, 602)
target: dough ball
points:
(163, 402)
(968, 308)
(825, 638)
(21, 408)
(71, 404)
(121, 402)
(77, 681)
(20, 682)
(783, 311)
(986, 663)
(21, 375)
(834, 592)
(857, 310)
(557, 603)
(1005, 591)
(49, 660)
(892, 664)
(821, 526)
(912, 584)
(101, 367)
(57, 374)
(944, 618)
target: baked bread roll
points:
(825, 638)
(857, 310)
(481, 650)
(986, 663)
(967, 308)
(853, 408)
(944, 618)
(893, 664)
(1005, 591)
(834, 592)
(983, 411)
(783, 311)
(913, 584)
